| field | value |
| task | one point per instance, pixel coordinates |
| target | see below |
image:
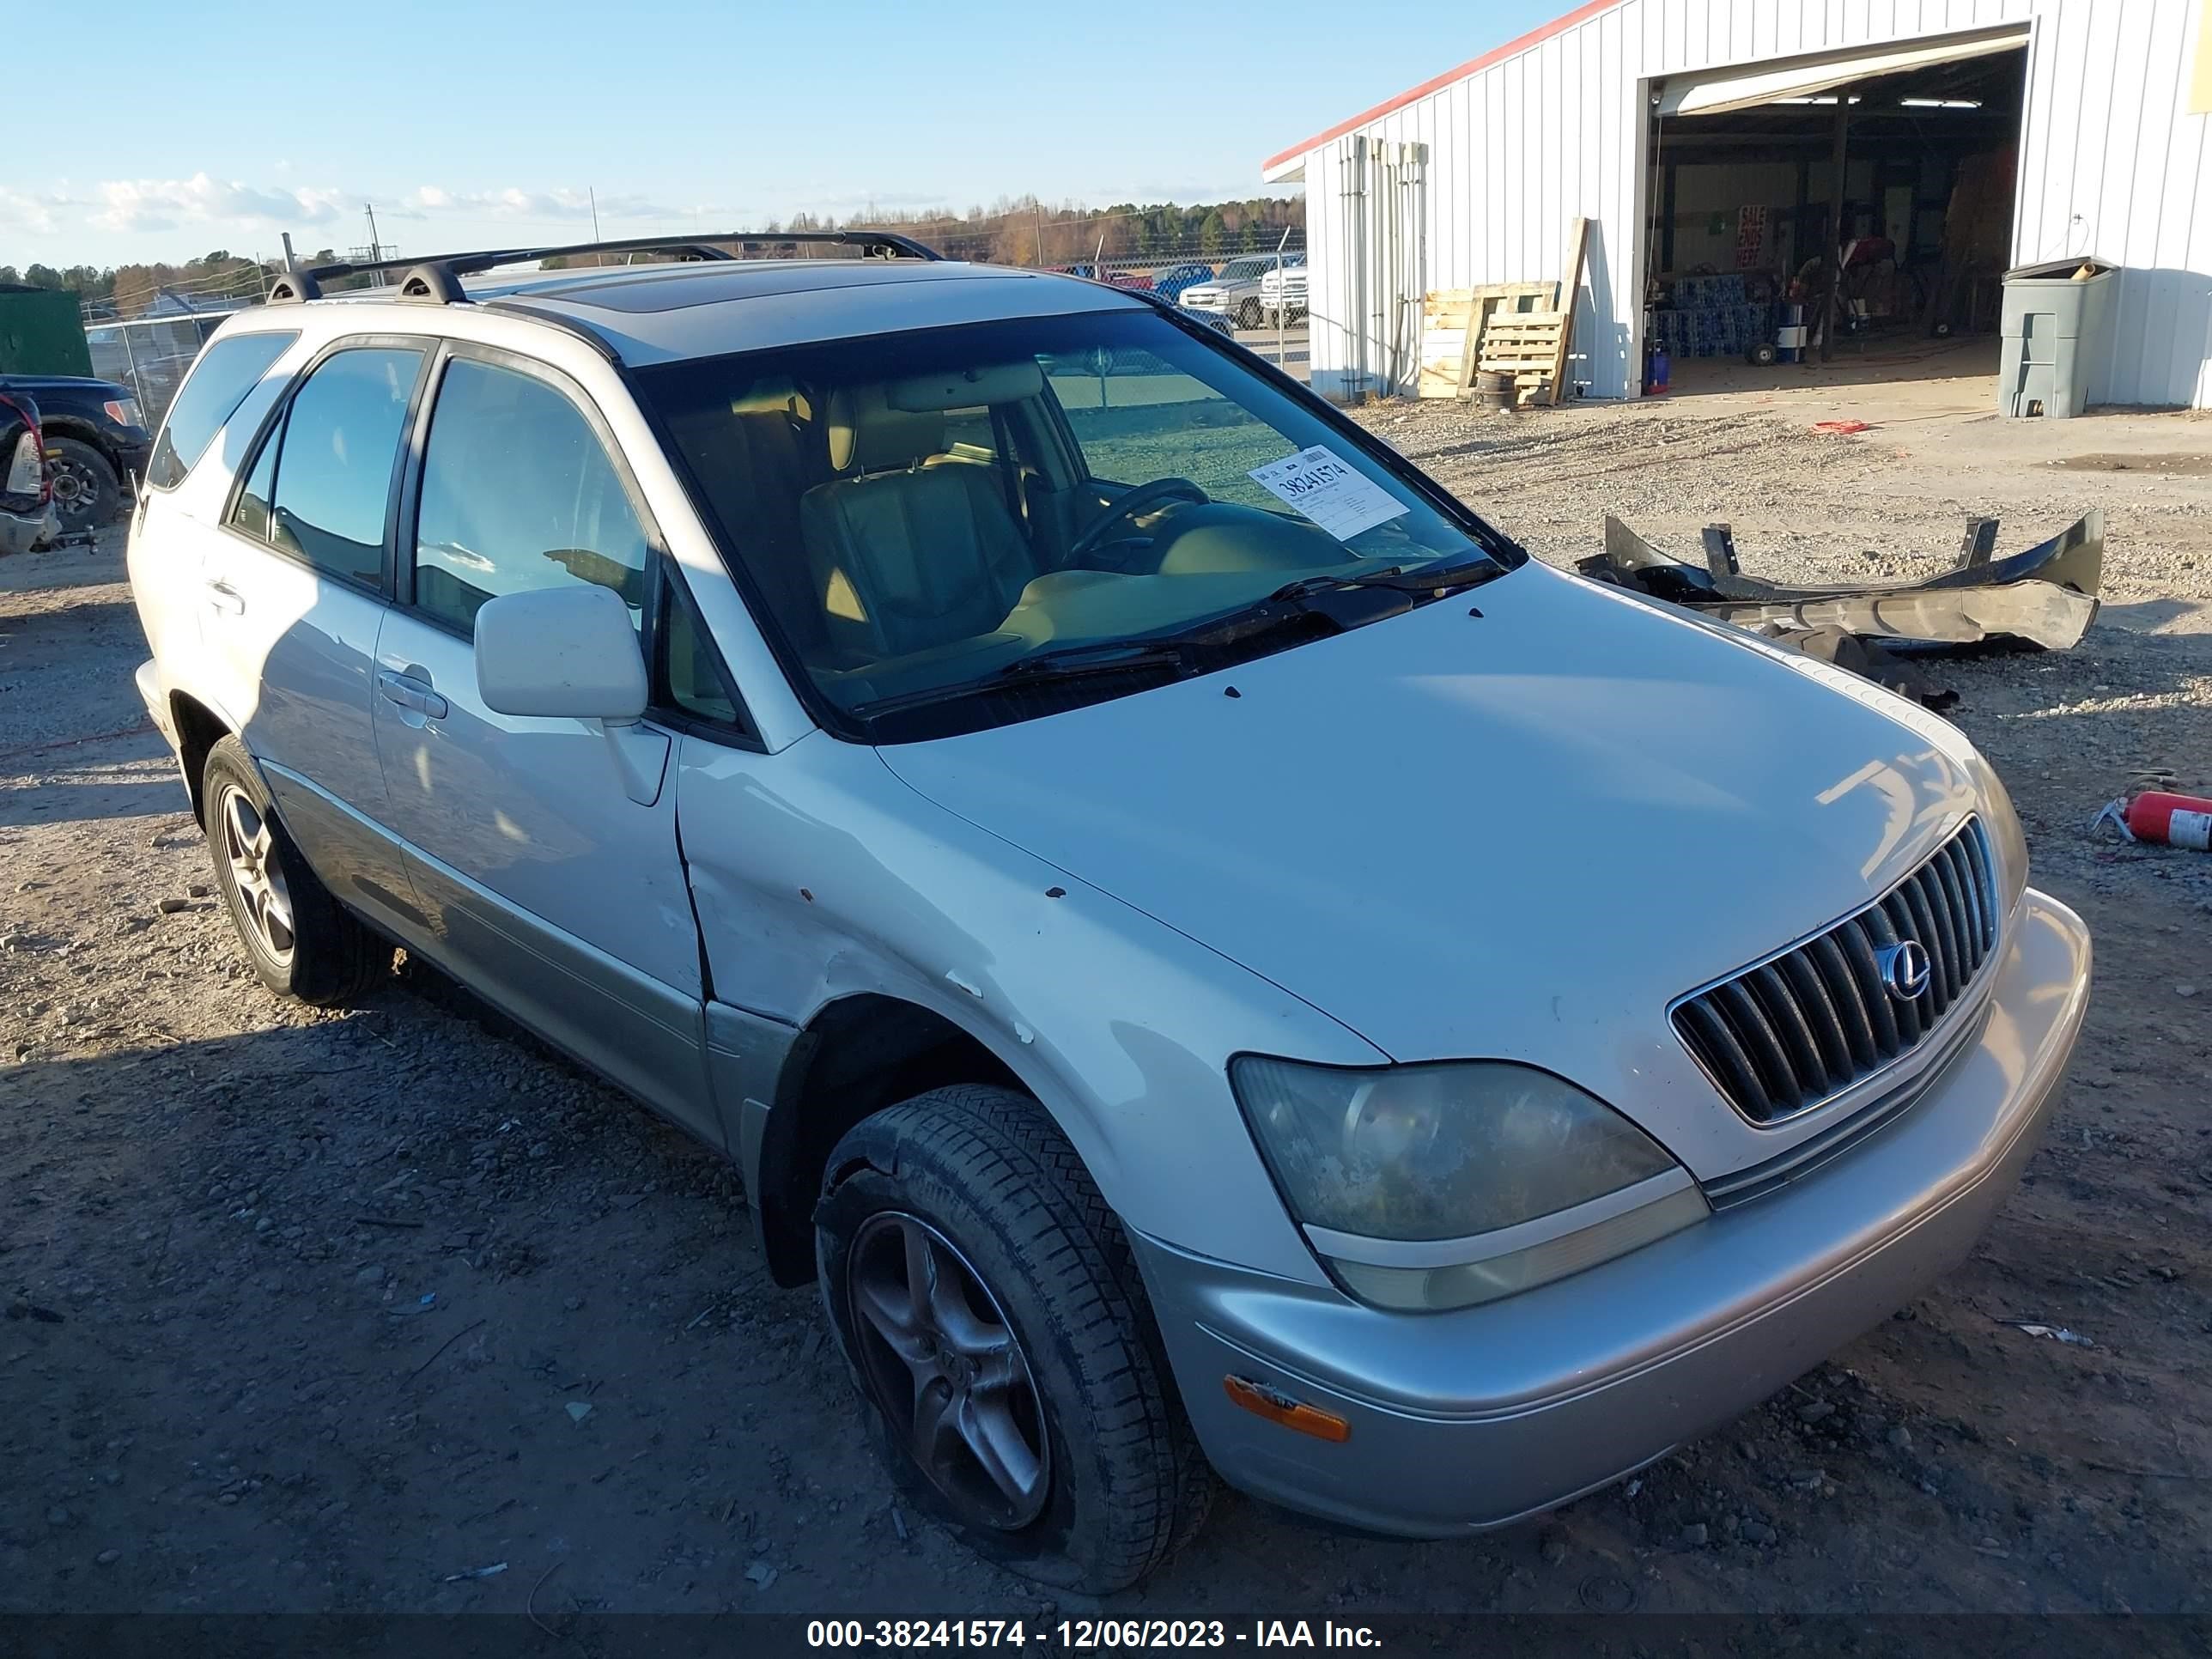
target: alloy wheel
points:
(249, 847)
(77, 492)
(947, 1371)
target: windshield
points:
(934, 520)
(1243, 270)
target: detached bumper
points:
(1483, 1417)
(20, 531)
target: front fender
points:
(819, 875)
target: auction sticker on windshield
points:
(1329, 490)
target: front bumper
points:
(133, 450)
(1487, 1415)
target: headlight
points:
(1428, 1187)
(124, 411)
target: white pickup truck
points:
(1239, 293)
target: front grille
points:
(1792, 1032)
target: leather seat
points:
(905, 554)
(755, 459)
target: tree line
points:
(1026, 230)
(127, 290)
(1019, 230)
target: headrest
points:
(868, 435)
(776, 396)
(965, 388)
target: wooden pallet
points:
(1525, 344)
(1523, 329)
(1453, 322)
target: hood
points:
(1519, 835)
(76, 386)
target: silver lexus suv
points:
(1154, 894)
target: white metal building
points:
(1472, 178)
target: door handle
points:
(222, 597)
(410, 693)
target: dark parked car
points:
(96, 443)
(25, 506)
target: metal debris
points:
(2046, 596)
(2056, 1333)
(491, 1571)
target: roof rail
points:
(436, 280)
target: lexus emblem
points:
(1904, 969)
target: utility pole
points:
(592, 191)
(375, 252)
(1037, 212)
(291, 259)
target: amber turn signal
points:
(1277, 1406)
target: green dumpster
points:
(41, 333)
(2058, 329)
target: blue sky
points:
(221, 125)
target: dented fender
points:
(819, 875)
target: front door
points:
(545, 850)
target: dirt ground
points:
(310, 1311)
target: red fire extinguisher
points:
(2152, 815)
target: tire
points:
(330, 958)
(85, 491)
(1248, 314)
(1004, 1209)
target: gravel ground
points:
(310, 1311)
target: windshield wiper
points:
(1426, 579)
(1067, 662)
(1103, 657)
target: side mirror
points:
(560, 652)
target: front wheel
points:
(1248, 314)
(991, 1311)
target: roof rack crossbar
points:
(306, 281)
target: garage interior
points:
(1741, 285)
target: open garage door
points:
(1846, 213)
(1718, 91)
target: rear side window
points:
(225, 372)
(321, 488)
(518, 494)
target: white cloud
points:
(142, 205)
(513, 202)
(30, 210)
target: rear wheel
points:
(301, 942)
(988, 1304)
(86, 493)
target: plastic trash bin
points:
(2057, 328)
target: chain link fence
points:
(150, 354)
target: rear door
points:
(295, 590)
(545, 850)
(203, 443)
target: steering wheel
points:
(1128, 505)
